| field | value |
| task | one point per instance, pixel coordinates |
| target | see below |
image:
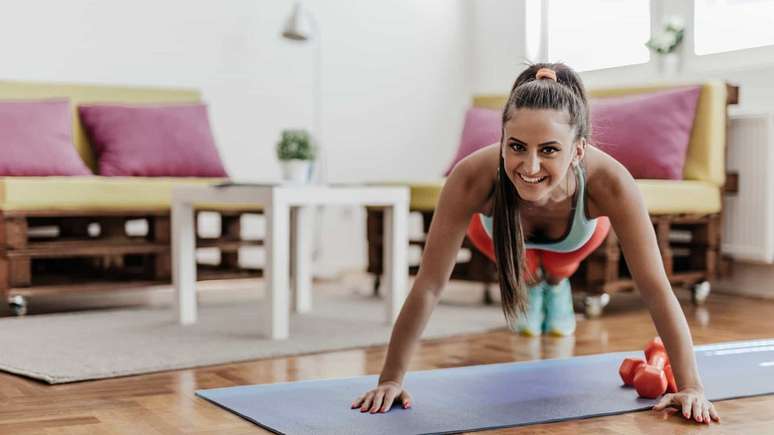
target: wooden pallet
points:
(62, 251)
(689, 245)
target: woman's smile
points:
(532, 180)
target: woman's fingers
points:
(696, 409)
(367, 401)
(381, 399)
(377, 401)
(693, 408)
(407, 400)
(705, 413)
(686, 404)
(358, 402)
(389, 397)
(713, 413)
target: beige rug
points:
(60, 348)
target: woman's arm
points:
(465, 191)
(621, 200)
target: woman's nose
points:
(532, 165)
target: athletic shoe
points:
(529, 323)
(559, 314)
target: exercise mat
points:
(489, 396)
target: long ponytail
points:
(566, 93)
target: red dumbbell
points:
(651, 380)
(628, 369)
(671, 384)
(631, 366)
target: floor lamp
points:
(302, 27)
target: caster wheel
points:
(488, 300)
(18, 305)
(700, 292)
(594, 305)
(377, 284)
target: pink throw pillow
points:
(482, 127)
(152, 140)
(647, 133)
(36, 139)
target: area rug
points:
(68, 347)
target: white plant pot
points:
(670, 65)
(296, 171)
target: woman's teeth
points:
(531, 180)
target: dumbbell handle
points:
(658, 360)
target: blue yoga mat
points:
(489, 396)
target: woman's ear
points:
(580, 150)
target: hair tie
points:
(545, 73)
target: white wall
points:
(394, 78)
(497, 45)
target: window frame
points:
(733, 60)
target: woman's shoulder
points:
(605, 179)
(477, 174)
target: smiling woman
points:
(537, 203)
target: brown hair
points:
(566, 93)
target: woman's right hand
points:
(381, 398)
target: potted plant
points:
(296, 155)
(666, 44)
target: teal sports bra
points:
(581, 228)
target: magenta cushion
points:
(647, 133)
(36, 139)
(152, 140)
(482, 127)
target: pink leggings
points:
(555, 264)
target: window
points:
(594, 34)
(726, 25)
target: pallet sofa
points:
(686, 214)
(66, 233)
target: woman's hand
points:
(692, 403)
(381, 398)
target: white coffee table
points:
(287, 209)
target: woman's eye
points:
(550, 150)
(517, 147)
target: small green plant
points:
(295, 145)
(669, 38)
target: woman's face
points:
(538, 148)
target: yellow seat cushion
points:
(660, 196)
(424, 194)
(97, 193)
(686, 196)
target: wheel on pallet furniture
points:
(593, 305)
(700, 292)
(488, 299)
(18, 305)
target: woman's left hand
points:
(693, 404)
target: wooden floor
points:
(164, 403)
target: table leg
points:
(300, 257)
(184, 261)
(395, 258)
(276, 313)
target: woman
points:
(546, 189)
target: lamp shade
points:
(297, 27)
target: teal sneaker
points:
(559, 314)
(530, 322)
